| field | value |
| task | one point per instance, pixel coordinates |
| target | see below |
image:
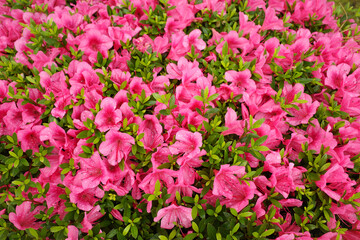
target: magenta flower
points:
(335, 181)
(24, 218)
(90, 218)
(174, 214)
(271, 21)
(241, 196)
(152, 132)
(241, 79)
(234, 42)
(117, 146)
(225, 182)
(94, 42)
(30, 138)
(234, 126)
(305, 112)
(85, 199)
(187, 142)
(163, 175)
(73, 233)
(93, 171)
(55, 135)
(108, 117)
(336, 76)
(287, 179)
(116, 214)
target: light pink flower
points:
(30, 138)
(174, 214)
(85, 199)
(235, 126)
(73, 233)
(152, 132)
(241, 79)
(225, 182)
(24, 218)
(287, 179)
(90, 218)
(335, 181)
(93, 42)
(93, 171)
(271, 21)
(108, 117)
(241, 196)
(187, 142)
(117, 146)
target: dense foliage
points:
(177, 119)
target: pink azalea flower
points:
(85, 199)
(225, 182)
(345, 211)
(120, 181)
(271, 21)
(24, 218)
(305, 112)
(234, 43)
(183, 187)
(318, 136)
(93, 171)
(55, 135)
(241, 79)
(161, 44)
(163, 175)
(234, 126)
(30, 138)
(152, 132)
(336, 76)
(174, 214)
(90, 218)
(14, 119)
(94, 42)
(187, 142)
(41, 60)
(184, 70)
(287, 179)
(108, 117)
(73, 233)
(195, 40)
(117, 146)
(335, 181)
(116, 214)
(241, 196)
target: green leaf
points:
(195, 227)
(258, 123)
(190, 236)
(233, 212)
(267, 233)
(157, 186)
(211, 231)
(134, 231)
(33, 233)
(162, 237)
(84, 134)
(56, 228)
(127, 229)
(213, 97)
(194, 212)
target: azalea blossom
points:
(226, 180)
(174, 214)
(117, 146)
(23, 218)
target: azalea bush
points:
(168, 119)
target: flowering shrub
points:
(171, 119)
